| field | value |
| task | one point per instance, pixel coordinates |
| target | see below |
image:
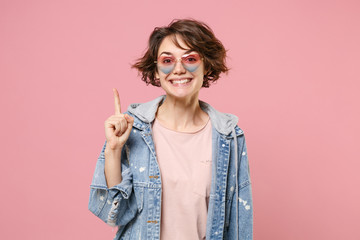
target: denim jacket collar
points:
(224, 123)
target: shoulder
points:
(145, 112)
(225, 123)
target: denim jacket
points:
(134, 205)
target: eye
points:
(191, 59)
(166, 60)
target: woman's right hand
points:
(118, 126)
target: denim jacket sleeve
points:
(244, 200)
(115, 205)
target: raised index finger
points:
(117, 102)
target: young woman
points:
(174, 167)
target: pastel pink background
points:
(294, 84)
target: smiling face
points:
(185, 78)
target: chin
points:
(182, 95)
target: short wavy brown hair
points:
(198, 36)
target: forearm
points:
(112, 166)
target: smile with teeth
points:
(181, 81)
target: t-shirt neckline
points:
(174, 131)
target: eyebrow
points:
(169, 53)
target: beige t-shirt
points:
(185, 166)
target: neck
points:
(184, 115)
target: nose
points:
(179, 68)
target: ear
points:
(157, 78)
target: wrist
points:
(112, 149)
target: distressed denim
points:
(134, 205)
